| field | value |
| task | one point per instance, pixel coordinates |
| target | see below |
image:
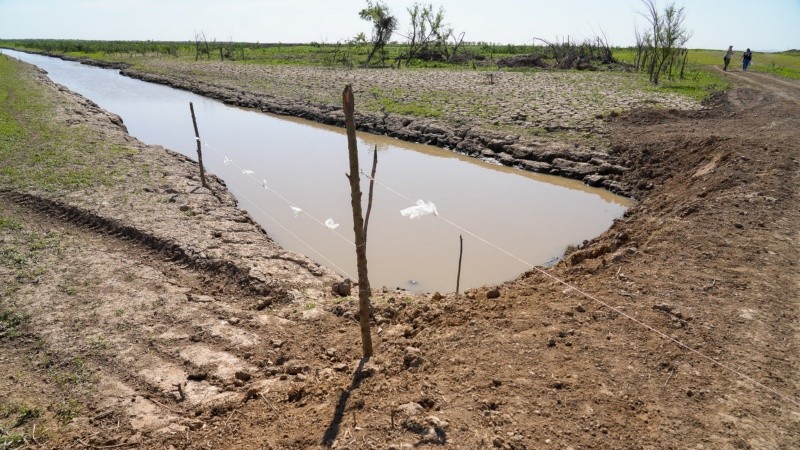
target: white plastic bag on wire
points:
(331, 224)
(421, 209)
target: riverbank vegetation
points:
(37, 152)
(698, 81)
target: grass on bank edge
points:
(37, 152)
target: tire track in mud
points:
(229, 277)
(163, 354)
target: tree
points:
(430, 38)
(384, 25)
(201, 44)
(659, 47)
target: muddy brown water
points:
(506, 215)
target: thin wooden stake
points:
(199, 148)
(371, 189)
(460, 255)
(348, 105)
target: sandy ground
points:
(137, 325)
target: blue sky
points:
(763, 25)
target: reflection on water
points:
(532, 216)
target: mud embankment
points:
(162, 205)
(595, 167)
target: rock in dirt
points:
(242, 375)
(296, 393)
(294, 367)
(493, 294)
(664, 307)
(342, 288)
(412, 357)
(410, 409)
(437, 422)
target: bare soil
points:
(136, 324)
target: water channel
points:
(531, 216)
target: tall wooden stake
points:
(199, 149)
(460, 254)
(348, 105)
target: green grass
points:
(66, 410)
(339, 53)
(699, 79)
(11, 323)
(483, 54)
(786, 64)
(9, 223)
(20, 416)
(393, 101)
(36, 151)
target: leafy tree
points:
(384, 25)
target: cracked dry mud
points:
(153, 328)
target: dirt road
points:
(108, 342)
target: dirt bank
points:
(108, 343)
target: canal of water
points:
(531, 216)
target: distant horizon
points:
(334, 43)
(714, 24)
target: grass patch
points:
(11, 323)
(72, 373)
(9, 223)
(37, 152)
(66, 410)
(786, 64)
(699, 82)
(396, 102)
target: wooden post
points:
(199, 148)
(348, 105)
(460, 254)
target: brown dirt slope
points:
(107, 344)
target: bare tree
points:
(643, 44)
(654, 19)
(665, 40)
(429, 37)
(201, 44)
(384, 25)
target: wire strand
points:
(277, 222)
(252, 176)
(605, 304)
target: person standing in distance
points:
(746, 57)
(727, 57)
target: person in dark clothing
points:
(727, 57)
(746, 57)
